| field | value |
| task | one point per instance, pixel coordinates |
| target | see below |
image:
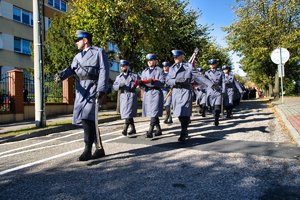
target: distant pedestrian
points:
(91, 67)
(126, 83)
(166, 90)
(152, 82)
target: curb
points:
(44, 132)
(292, 131)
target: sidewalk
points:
(289, 112)
(58, 124)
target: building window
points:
(17, 44)
(22, 46)
(22, 16)
(50, 2)
(17, 14)
(26, 17)
(63, 6)
(58, 4)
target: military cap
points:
(225, 67)
(124, 62)
(151, 56)
(200, 69)
(177, 53)
(212, 61)
(166, 64)
(83, 34)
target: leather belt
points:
(88, 78)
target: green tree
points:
(262, 26)
(137, 27)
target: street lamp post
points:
(40, 117)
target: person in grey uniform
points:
(152, 82)
(200, 91)
(180, 77)
(127, 82)
(166, 89)
(214, 94)
(91, 68)
(228, 89)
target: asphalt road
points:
(247, 157)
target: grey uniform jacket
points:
(153, 96)
(182, 93)
(165, 90)
(213, 95)
(200, 91)
(229, 85)
(128, 97)
(92, 71)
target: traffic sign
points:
(280, 56)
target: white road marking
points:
(100, 125)
(66, 153)
(47, 141)
(53, 157)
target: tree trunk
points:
(270, 87)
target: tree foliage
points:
(137, 27)
(260, 27)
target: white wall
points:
(7, 42)
(6, 10)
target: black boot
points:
(217, 113)
(166, 120)
(168, 115)
(132, 131)
(170, 121)
(126, 125)
(149, 133)
(200, 110)
(86, 154)
(158, 131)
(99, 153)
(203, 111)
(228, 114)
(216, 121)
(184, 125)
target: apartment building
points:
(16, 32)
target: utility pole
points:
(40, 117)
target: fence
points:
(6, 102)
(17, 97)
(53, 90)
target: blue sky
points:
(217, 14)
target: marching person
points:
(180, 77)
(91, 68)
(229, 87)
(166, 90)
(152, 81)
(126, 82)
(214, 94)
(200, 90)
